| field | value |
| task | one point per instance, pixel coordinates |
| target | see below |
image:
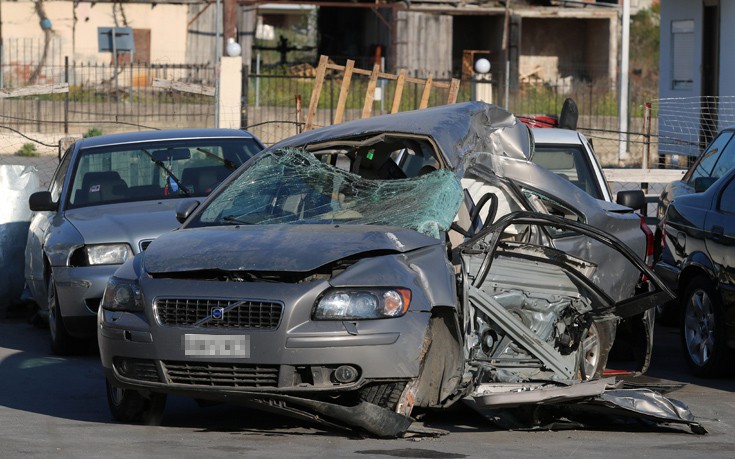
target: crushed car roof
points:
(458, 129)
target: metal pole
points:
(624, 58)
(217, 55)
(66, 95)
(257, 80)
(245, 97)
(647, 136)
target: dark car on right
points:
(698, 262)
(715, 161)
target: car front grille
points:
(221, 374)
(186, 312)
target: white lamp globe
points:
(233, 48)
(482, 65)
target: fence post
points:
(245, 97)
(646, 141)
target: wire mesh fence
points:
(103, 98)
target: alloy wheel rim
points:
(591, 350)
(699, 328)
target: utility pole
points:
(624, 60)
(230, 22)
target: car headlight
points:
(122, 295)
(362, 303)
(107, 254)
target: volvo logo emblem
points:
(218, 313)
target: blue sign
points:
(111, 39)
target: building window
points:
(682, 53)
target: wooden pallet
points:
(349, 69)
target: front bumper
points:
(296, 356)
(79, 291)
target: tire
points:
(703, 328)
(595, 349)
(128, 405)
(62, 343)
(385, 395)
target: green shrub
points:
(93, 132)
(28, 149)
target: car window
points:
(707, 164)
(155, 170)
(570, 162)
(57, 182)
(727, 198)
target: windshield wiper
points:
(228, 164)
(233, 219)
(160, 164)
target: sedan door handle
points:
(717, 233)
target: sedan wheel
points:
(128, 405)
(595, 349)
(61, 342)
(702, 330)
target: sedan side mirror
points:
(185, 208)
(635, 199)
(42, 201)
(702, 183)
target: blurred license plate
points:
(217, 345)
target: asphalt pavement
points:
(54, 406)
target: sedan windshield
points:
(294, 186)
(155, 170)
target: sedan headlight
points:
(122, 295)
(108, 254)
(359, 303)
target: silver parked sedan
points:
(352, 273)
(108, 199)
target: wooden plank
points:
(367, 109)
(36, 90)
(644, 175)
(400, 83)
(453, 91)
(183, 87)
(427, 91)
(343, 91)
(316, 92)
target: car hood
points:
(274, 248)
(124, 222)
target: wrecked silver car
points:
(352, 273)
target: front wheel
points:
(703, 328)
(128, 405)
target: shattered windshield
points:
(294, 186)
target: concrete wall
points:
(560, 47)
(167, 23)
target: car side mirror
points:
(186, 208)
(702, 183)
(42, 201)
(635, 199)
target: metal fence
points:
(105, 99)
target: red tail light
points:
(649, 242)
